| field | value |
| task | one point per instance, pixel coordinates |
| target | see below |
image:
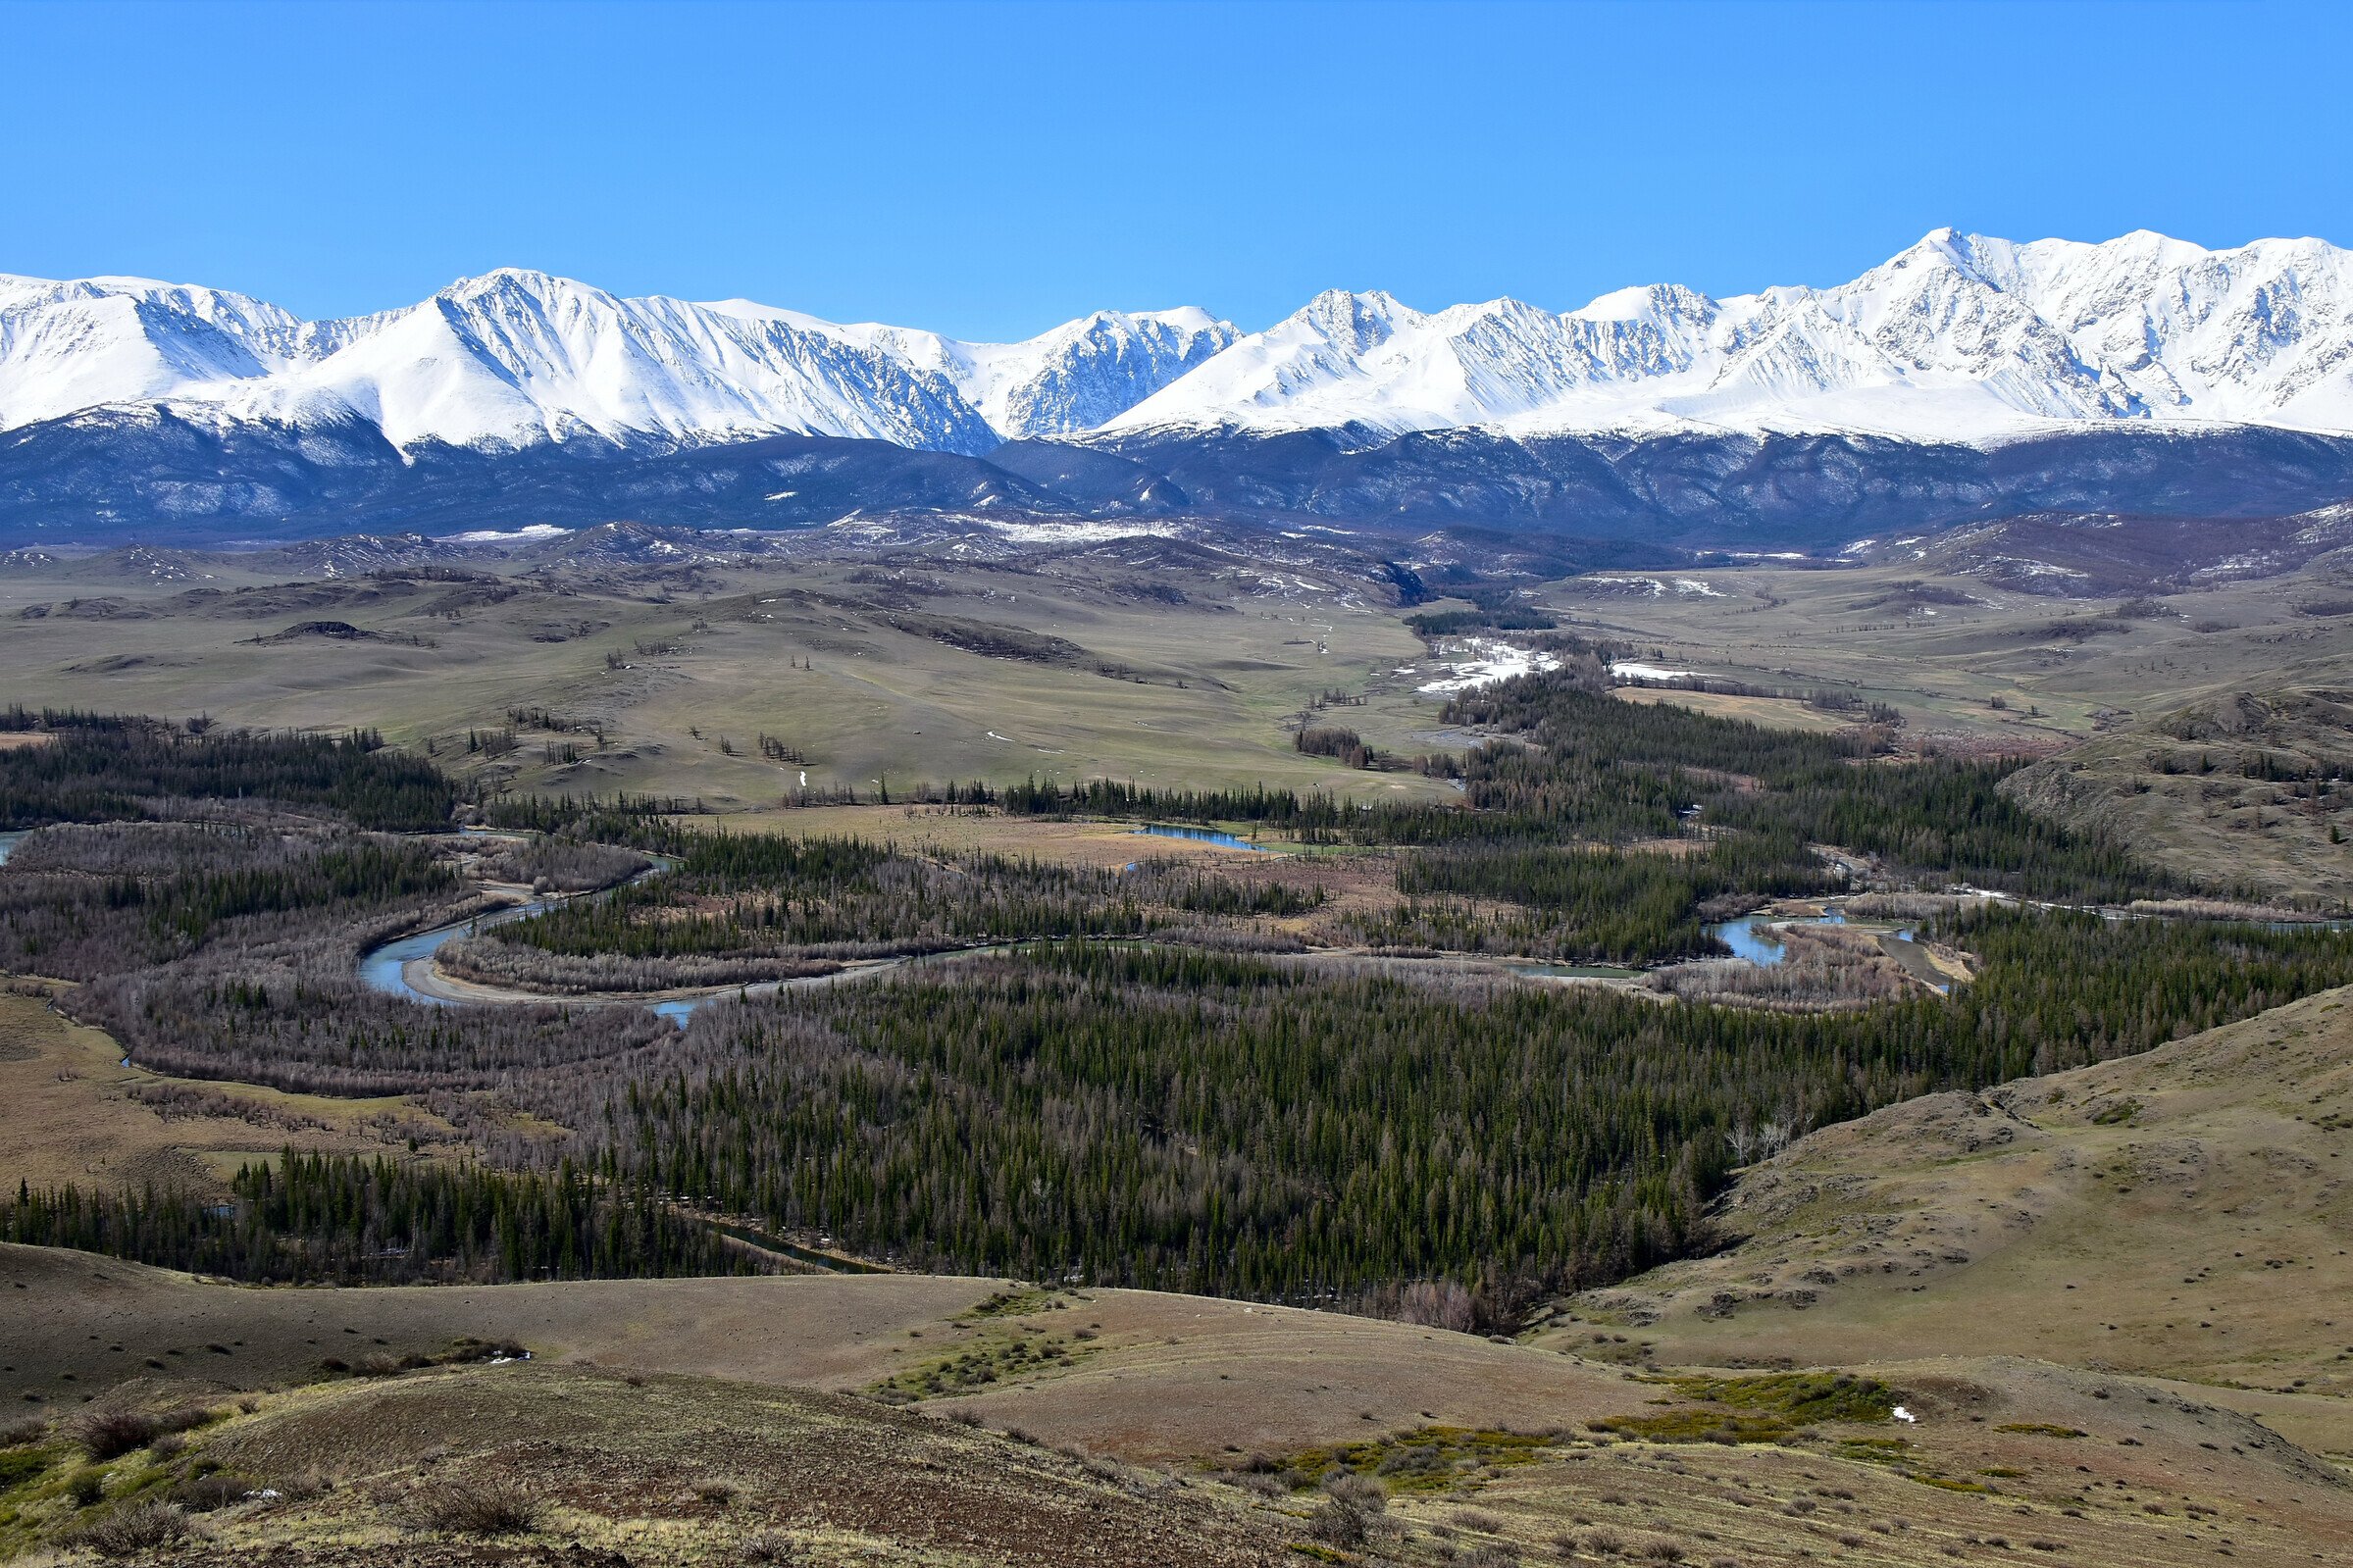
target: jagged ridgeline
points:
(97, 767)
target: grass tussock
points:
(20, 1465)
(210, 1492)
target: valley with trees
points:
(1013, 784)
(1485, 1015)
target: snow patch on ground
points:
(1657, 587)
(1076, 533)
(1630, 670)
(536, 531)
(1487, 663)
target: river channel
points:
(404, 966)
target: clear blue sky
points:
(991, 170)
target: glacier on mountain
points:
(1959, 338)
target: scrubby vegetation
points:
(1768, 1408)
(550, 865)
(86, 901)
(757, 907)
(1822, 968)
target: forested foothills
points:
(96, 768)
(1158, 1117)
(318, 1219)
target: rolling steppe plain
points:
(1169, 655)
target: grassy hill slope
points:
(2183, 1213)
(2231, 791)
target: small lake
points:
(1205, 835)
(9, 843)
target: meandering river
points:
(404, 966)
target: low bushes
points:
(473, 1507)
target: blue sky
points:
(991, 170)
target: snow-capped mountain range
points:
(1959, 338)
(514, 358)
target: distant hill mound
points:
(2242, 793)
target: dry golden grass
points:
(943, 830)
(68, 1113)
(531, 1462)
(1774, 713)
(2180, 1214)
(2173, 787)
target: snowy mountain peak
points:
(1959, 336)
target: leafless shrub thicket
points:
(473, 1507)
(1909, 906)
(1350, 1513)
(132, 1529)
(109, 1433)
(1230, 939)
(319, 1029)
(104, 899)
(1825, 969)
(554, 866)
(487, 961)
(156, 848)
(182, 1101)
(2212, 909)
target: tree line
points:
(96, 769)
(320, 1219)
(1174, 1119)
